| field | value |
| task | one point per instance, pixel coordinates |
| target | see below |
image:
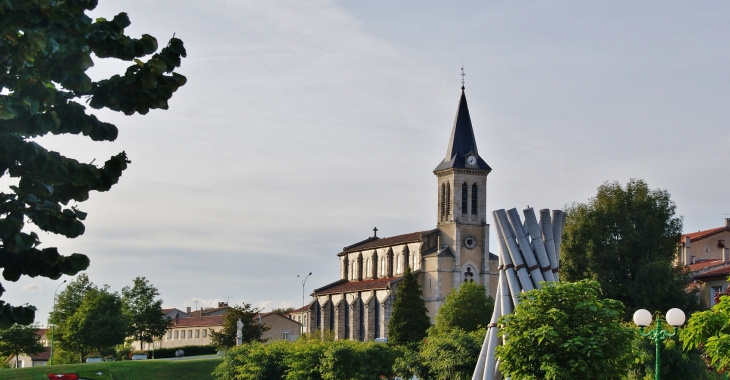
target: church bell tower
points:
(462, 205)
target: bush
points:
(308, 359)
(161, 353)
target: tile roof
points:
(702, 264)
(355, 286)
(723, 271)
(43, 356)
(384, 242)
(199, 321)
(694, 236)
(301, 309)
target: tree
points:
(710, 331)
(45, 49)
(20, 339)
(676, 364)
(283, 311)
(409, 320)
(98, 323)
(626, 239)
(144, 312)
(565, 331)
(467, 308)
(452, 354)
(252, 330)
(70, 299)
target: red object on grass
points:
(63, 376)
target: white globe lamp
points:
(642, 317)
(675, 317)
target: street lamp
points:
(642, 318)
(53, 326)
(304, 281)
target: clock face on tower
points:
(471, 160)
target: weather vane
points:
(462, 77)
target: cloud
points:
(33, 288)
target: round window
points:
(470, 242)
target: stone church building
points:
(359, 304)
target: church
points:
(358, 305)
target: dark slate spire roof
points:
(462, 140)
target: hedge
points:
(161, 353)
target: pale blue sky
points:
(305, 124)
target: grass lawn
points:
(122, 370)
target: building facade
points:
(707, 255)
(359, 304)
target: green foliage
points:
(283, 310)
(253, 361)
(189, 351)
(710, 331)
(45, 49)
(308, 360)
(252, 330)
(565, 331)
(675, 363)
(409, 320)
(98, 323)
(144, 312)
(124, 370)
(452, 355)
(626, 239)
(467, 308)
(20, 339)
(346, 359)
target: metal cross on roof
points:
(375, 232)
(462, 77)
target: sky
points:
(305, 124)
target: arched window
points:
(468, 275)
(443, 202)
(474, 199)
(448, 202)
(464, 199)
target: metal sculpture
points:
(528, 255)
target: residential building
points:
(707, 255)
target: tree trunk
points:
(17, 360)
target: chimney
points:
(725, 255)
(188, 310)
(177, 318)
(727, 222)
(686, 249)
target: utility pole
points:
(53, 326)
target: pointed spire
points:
(462, 142)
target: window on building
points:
(176, 335)
(443, 202)
(190, 333)
(448, 201)
(474, 199)
(169, 335)
(468, 275)
(464, 199)
(286, 335)
(715, 291)
(205, 333)
(305, 320)
(197, 333)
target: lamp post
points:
(53, 326)
(642, 318)
(304, 281)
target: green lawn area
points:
(123, 370)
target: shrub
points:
(161, 353)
